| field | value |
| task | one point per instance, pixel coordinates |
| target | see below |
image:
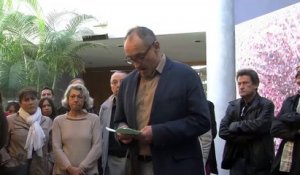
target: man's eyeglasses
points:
(141, 57)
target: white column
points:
(220, 63)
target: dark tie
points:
(113, 109)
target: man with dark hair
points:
(287, 127)
(165, 101)
(47, 93)
(249, 148)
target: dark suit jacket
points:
(3, 128)
(285, 126)
(212, 161)
(179, 115)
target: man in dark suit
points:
(286, 126)
(165, 100)
(211, 163)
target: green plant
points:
(34, 51)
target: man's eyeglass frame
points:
(129, 60)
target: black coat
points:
(3, 129)
(285, 126)
(248, 137)
(211, 160)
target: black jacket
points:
(285, 126)
(3, 128)
(248, 137)
(211, 160)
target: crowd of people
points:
(165, 102)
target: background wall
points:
(98, 82)
(270, 45)
(249, 9)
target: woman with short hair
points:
(76, 135)
(26, 152)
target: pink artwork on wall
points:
(270, 44)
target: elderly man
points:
(165, 101)
(114, 156)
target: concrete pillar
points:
(220, 63)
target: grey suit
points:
(118, 166)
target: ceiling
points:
(185, 47)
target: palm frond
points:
(76, 21)
(34, 52)
(20, 25)
(33, 4)
(52, 19)
(16, 76)
(12, 77)
(30, 49)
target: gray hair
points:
(143, 33)
(117, 72)
(88, 101)
(79, 80)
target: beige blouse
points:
(76, 142)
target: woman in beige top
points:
(76, 135)
(26, 152)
